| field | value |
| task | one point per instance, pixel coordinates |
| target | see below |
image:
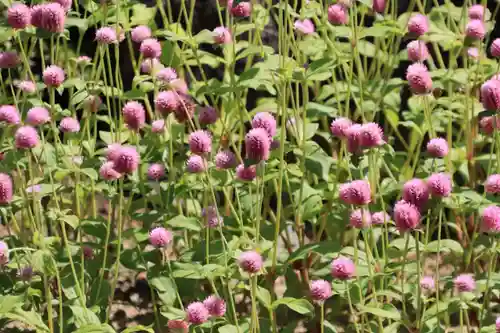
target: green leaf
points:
(184, 222)
(139, 328)
(72, 220)
(264, 296)
(95, 328)
(84, 316)
(317, 161)
(81, 24)
(446, 245)
(389, 311)
(228, 329)
(142, 15)
(31, 318)
(8, 302)
(301, 306)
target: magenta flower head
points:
(437, 147)
(150, 66)
(222, 35)
(196, 164)
(417, 51)
(197, 313)
(475, 29)
(473, 52)
(160, 237)
(69, 125)
(371, 135)
(112, 151)
(150, 48)
(200, 142)
(53, 76)
(158, 126)
(9, 59)
(185, 109)
(492, 184)
(26, 87)
(4, 253)
(490, 219)
(266, 121)
(250, 261)
(427, 283)
(19, 16)
(37, 116)
(242, 9)
(26, 137)
(380, 218)
(53, 16)
(440, 185)
(106, 35)
(66, 4)
(353, 135)
(140, 33)
(419, 79)
(134, 115)
(5, 188)
(406, 216)
(416, 192)
(360, 219)
(418, 25)
(339, 127)
(495, 48)
(464, 283)
(166, 75)
(320, 290)
(305, 27)
(211, 217)
(127, 159)
(225, 160)
(88, 252)
(9, 114)
(257, 145)
(178, 326)
(207, 116)
(343, 268)
(357, 192)
(215, 305)
(379, 6)
(180, 86)
(167, 102)
(497, 325)
(156, 171)
(246, 174)
(337, 15)
(107, 171)
(476, 12)
(490, 95)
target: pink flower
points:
(200, 142)
(66, 4)
(495, 48)
(437, 147)
(88, 253)
(167, 102)
(49, 16)
(69, 125)
(418, 25)
(250, 261)
(37, 116)
(379, 6)
(360, 218)
(27, 87)
(440, 184)
(26, 137)
(242, 9)
(476, 12)
(464, 283)
(9, 59)
(266, 121)
(4, 253)
(179, 85)
(225, 160)
(156, 171)
(419, 79)
(416, 192)
(417, 51)
(160, 237)
(320, 290)
(339, 127)
(5, 188)
(406, 216)
(257, 145)
(83, 60)
(490, 219)
(357, 192)
(108, 172)
(106, 35)
(150, 66)
(305, 27)
(337, 15)
(487, 124)
(371, 135)
(140, 33)
(343, 268)
(497, 325)
(127, 159)
(185, 109)
(473, 52)
(134, 115)
(246, 174)
(353, 135)
(112, 151)
(197, 313)
(222, 35)
(216, 306)
(158, 126)
(53, 76)
(490, 95)
(475, 29)
(208, 116)
(166, 75)
(380, 218)
(211, 217)
(427, 283)
(9, 114)
(19, 16)
(196, 164)
(178, 326)
(150, 48)
(492, 184)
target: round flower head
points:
(140, 33)
(158, 126)
(360, 218)
(160, 237)
(211, 217)
(167, 74)
(185, 109)
(83, 60)
(419, 79)
(416, 192)
(106, 35)
(380, 218)
(464, 283)
(417, 51)
(337, 15)
(33, 188)
(222, 35)
(178, 326)
(53, 16)
(495, 48)
(69, 125)
(88, 253)
(353, 135)
(200, 142)
(112, 151)
(36, 15)
(406, 216)
(246, 174)
(134, 115)
(257, 145)
(250, 261)
(167, 102)
(9, 115)
(216, 306)
(266, 121)
(418, 25)
(92, 103)
(19, 16)
(371, 135)
(320, 290)
(440, 184)
(427, 283)
(150, 66)
(9, 59)
(53, 76)
(492, 184)
(379, 6)
(225, 160)
(5, 188)
(242, 9)
(437, 147)
(26, 137)
(127, 159)
(497, 325)
(107, 171)
(357, 192)
(156, 171)
(197, 313)
(66, 4)
(150, 48)
(27, 87)
(37, 116)
(339, 127)
(476, 12)
(487, 124)
(196, 164)
(343, 268)
(490, 219)
(473, 52)
(305, 27)
(208, 115)
(475, 29)
(490, 95)
(179, 85)
(4, 253)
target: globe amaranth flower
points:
(150, 48)
(337, 15)
(134, 115)
(464, 283)
(212, 218)
(158, 126)
(26, 137)
(257, 145)
(9, 115)
(225, 160)
(151, 66)
(49, 16)
(495, 48)
(440, 184)
(185, 109)
(266, 121)
(178, 326)
(357, 192)
(490, 219)
(200, 142)
(112, 151)
(437, 147)
(66, 4)
(416, 191)
(83, 60)
(197, 313)
(371, 135)
(88, 252)
(6, 191)
(246, 173)
(179, 85)
(379, 6)
(475, 29)
(497, 325)
(490, 95)
(360, 218)
(166, 75)
(427, 283)
(69, 125)
(207, 116)
(343, 268)
(222, 35)
(37, 116)
(167, 102)
(9, 59)
(4, 253)
(53, 76)
(418, 25)
(380, 218)
(476, 12)
(492, 184)
(140, 33)
(26, 86)
(241, 9)
(488, 124)
(156, 171)
(353, 135)
(339, 127)
(417, 51)
(473, 52)
(160, 237)
(106, 35)
(19, 16)
(196, 164)
(250, 261)
(127, 160)
(215, 305)
(305, 27)
(406, 216)
(107, 171)
(419, 79)
(320, 290)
